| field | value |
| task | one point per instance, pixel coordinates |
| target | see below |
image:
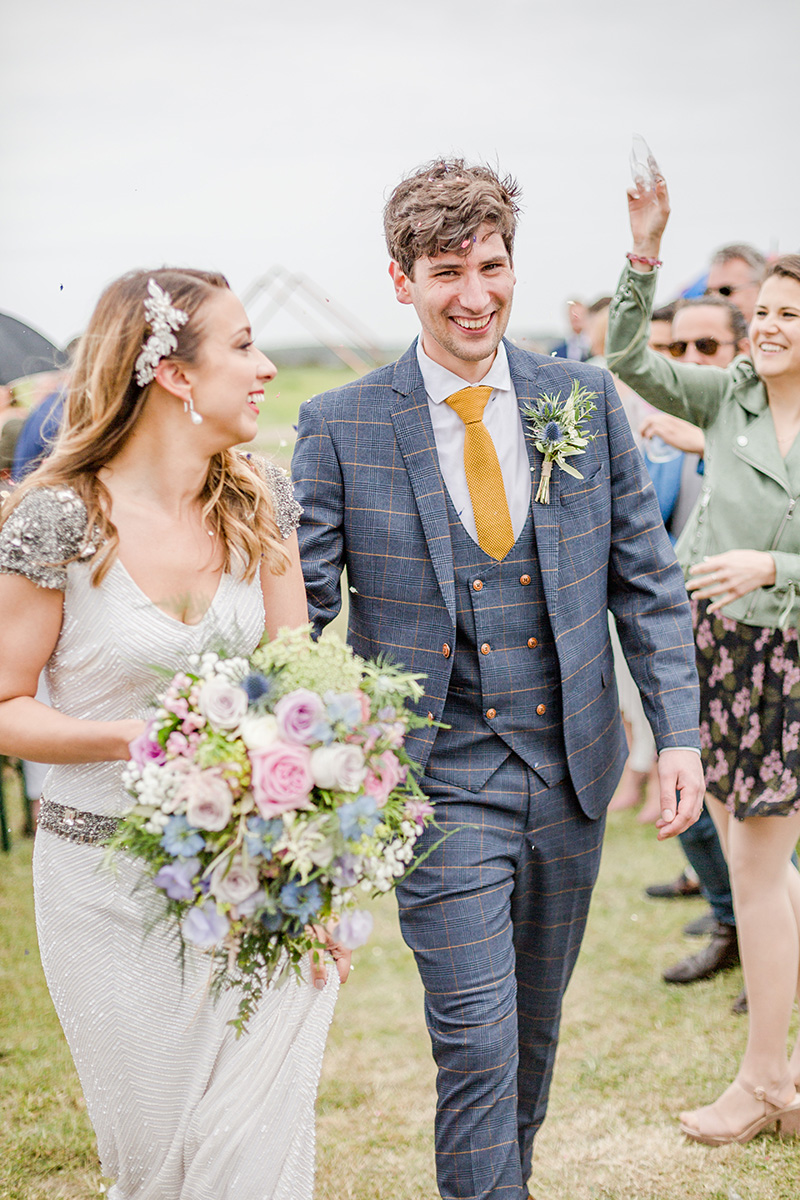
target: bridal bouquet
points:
(270, 794)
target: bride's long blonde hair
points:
(104, 402)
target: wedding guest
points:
(736, 273)
(419, 478)
(741, 553)
(576, 344)
(709, 331)
(144, 538)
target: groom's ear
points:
(401, 282)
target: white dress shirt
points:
(501, 417)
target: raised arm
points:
(686, 390)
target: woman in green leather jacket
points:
(740, 551)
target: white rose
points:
(258, 732)
(339, 766)
(235, 885)
(222, 704)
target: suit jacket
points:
(366, 472)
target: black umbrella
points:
(23, 351)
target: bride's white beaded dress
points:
(181, 1109)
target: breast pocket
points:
(577, 491)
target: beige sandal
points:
(785, 1117)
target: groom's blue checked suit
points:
(518, 664)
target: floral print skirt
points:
(749, 714)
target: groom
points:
(418, 479)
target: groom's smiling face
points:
(463, 301)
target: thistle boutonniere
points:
(558, 430)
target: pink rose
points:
(208, 799)
(383, 776)
(282, 778)
(298, 715)
(145, 749)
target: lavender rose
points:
(282, 778)
(222, 704)
(340, 766)
(208, 799)
(299, 714)
(203, 926)
(235, 884)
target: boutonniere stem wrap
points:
(558, 429)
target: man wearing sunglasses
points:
(709, 331)
(736, 273)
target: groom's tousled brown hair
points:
(440, 207)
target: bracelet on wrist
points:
(640, 258)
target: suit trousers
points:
(495, 916)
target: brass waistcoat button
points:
(541, 709)
(533, 643)
(491, 713)
(524, 580)
(485, 648)
(446, 650)
(477, 584)
(430, 716)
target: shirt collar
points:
(441, 383)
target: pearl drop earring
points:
(194, 417)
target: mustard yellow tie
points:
(484, 477)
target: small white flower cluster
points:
(210, 666)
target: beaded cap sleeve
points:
(47, 528)
(287, 510)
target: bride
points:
(144, 538)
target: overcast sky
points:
(240, 134)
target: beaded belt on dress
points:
(73, 824)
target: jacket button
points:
(485, 648)
(446, 650)
(491, 713)
(541, 709)
(742, 440)
(533, 643)
(430, 716)
(524, 580)
(477, 584)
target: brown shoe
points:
(721, 953)
(676, 889)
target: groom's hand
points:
(680, 774)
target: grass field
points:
(282, 400)
(633, 1052)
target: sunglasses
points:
(706, 345)
(728, 289)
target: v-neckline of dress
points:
(157, 608)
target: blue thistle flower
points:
(552, 432)
(257, 686)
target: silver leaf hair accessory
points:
(162, 319)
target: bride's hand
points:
(649, 213)
(339, 953)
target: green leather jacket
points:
(749, 491)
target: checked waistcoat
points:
(505, 687)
